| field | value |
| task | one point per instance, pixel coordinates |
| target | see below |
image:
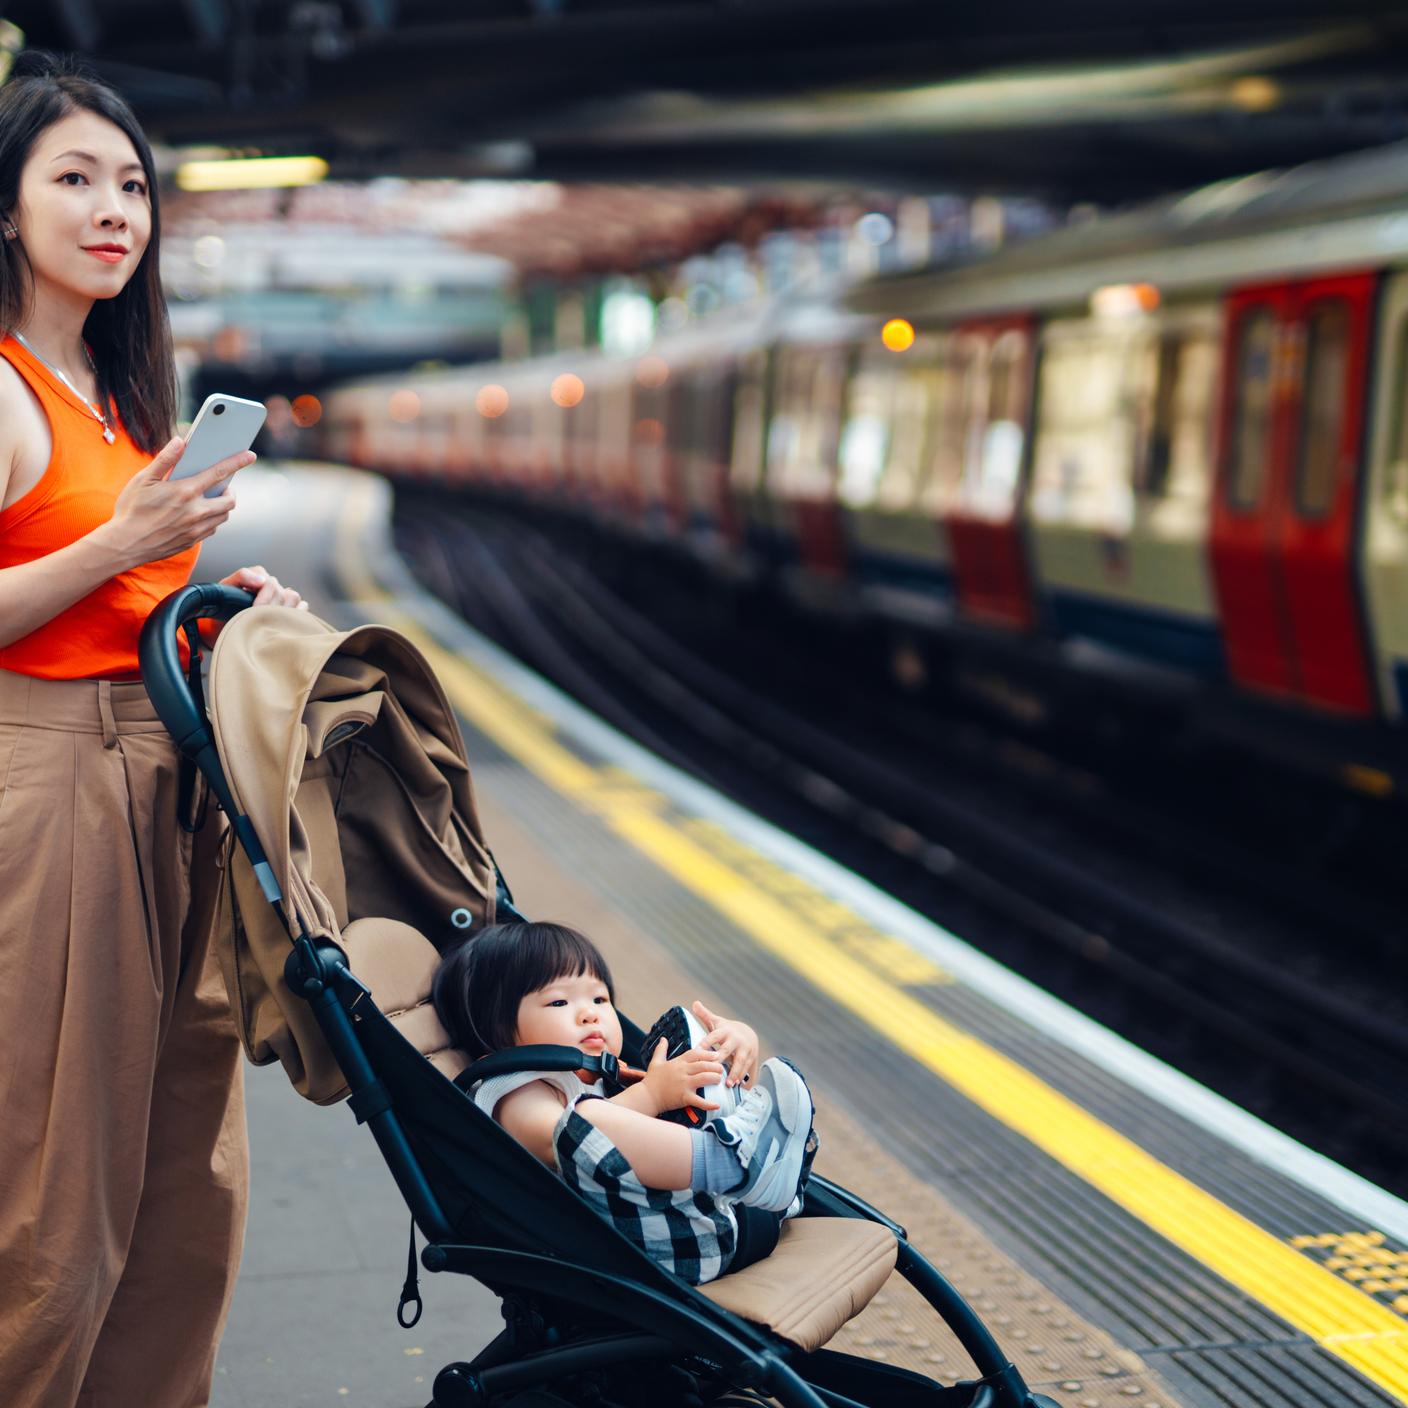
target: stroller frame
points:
(564, 1319)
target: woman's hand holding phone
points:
(155, 517)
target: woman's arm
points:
(35, 592)
(152, 519)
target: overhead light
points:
(250, 173)
(898, 334)
(11, 42)
(1124, 300)
(491, 401)
(567, 390)
(1255, 93)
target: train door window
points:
(941, 491)
(784, 442)
(911, 437)
(745, 453)
(1152, 472)
(1097, 389)
(1396, 475)
(865, 436)
(1251, 412)
(1322, 405)
(1192, 413)
(1004, 425)
(822, 423)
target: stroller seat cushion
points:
(397, 962)
(823, 1272)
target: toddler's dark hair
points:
(481, 981)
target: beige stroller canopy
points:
(344, 753)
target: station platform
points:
(1131, 1238)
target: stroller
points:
(341, 768)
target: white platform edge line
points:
(1371, 1207)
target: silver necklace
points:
(108, 433)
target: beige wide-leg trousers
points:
(123, 1161)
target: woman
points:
(123, 1163)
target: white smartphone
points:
(224, 426)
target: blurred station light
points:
(652, 371)
(898, 334)
(250, 173)
(874, 228)
(403, 406)
(307, 410)
(649, 431)
(491, 401)
(567, 390)
(1124, 300)
(11, 42)
(627, 320)
(1255, 93)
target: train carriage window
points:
(1097, 392)
(1322, 405)
(1251, 414)
(865, 436)
(745, 453)
(998, 430)
(912, 437)
(1396, 477)
(1192, 411)
(952, 391)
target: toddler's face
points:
(573, 1011)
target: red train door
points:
(985, 530)
(1285, 511)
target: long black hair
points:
(481, 981)
(131, 333)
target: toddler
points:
(698, 1200)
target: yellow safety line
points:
(1333, 1312)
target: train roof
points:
(1350, 211)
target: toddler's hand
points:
(735, 1042)
(675, 1084)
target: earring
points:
(11, 231)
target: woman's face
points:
(82, 186)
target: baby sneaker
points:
(682, 1031)
(771, 1133)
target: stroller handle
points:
(178, 709)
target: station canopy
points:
(1091, 100)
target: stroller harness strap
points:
(515, 1059)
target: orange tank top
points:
(96, 637)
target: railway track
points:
(1248, 969)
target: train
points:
(1173, 437)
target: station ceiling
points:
(1080, 100)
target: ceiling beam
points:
(80, 19)
(210, 19)
(377, 14)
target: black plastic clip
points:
(410, 1291)
(369, 1101)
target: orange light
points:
(491, 401)
(1124, 300)
(649, 431)
(652, 371)
(567, 390)
(403, 406)
(307, 410)
(898, 334)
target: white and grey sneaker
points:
(770, 1131)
